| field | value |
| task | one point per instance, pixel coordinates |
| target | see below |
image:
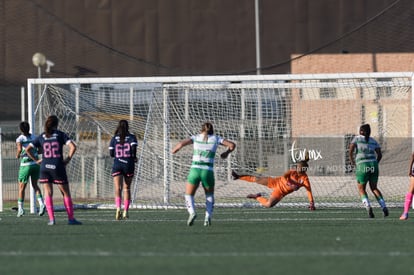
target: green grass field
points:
(240, 241)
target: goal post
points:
(273, 119)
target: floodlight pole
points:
(38, 60)
(257, 25)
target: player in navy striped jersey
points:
(123, 148)
(202, 168)
(53, 166)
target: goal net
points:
(273, 119)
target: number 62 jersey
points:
(124, 154)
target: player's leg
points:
(250, 178)
(61, 179)
(67, 201)
(48, 192)
(127, 195)
(39, 197)
(193, 181)
(23, 179)
(34, 176)
(373, 184)
(378, 195)
(364, 198)
(118, 181)
(270, 202)
(272, 183)
(20, 199)
(362, 179)
(190, 190)
(209, 205)
(408, 199)
(208, 183)
(273, 199)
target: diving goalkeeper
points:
(291, 181)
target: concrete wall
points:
(110, 38)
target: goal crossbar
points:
(272, 118)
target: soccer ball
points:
(39, 59)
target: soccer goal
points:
(273, 119)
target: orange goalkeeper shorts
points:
(275, 183)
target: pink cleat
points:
(404, 216)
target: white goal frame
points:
(281, 81)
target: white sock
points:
(366, 203)
(209, 205)
(40, 201)
(20, 204)
(189, 202)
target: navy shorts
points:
(57, 175)
(123, 169)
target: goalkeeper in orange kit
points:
(291, 181)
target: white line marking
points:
(208, 254)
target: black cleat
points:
(385, 210)
(234, 175)
(371, 213)
(254, 196)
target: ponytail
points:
(122, 130)
(50, 125)
(365, 130)
(207, 129)
(25, 128)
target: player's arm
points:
(310, 195)
(230, 148)
(351, 153)
(19, 148)
(72, 150)
(182, 144)
(29, 150)
(134, 146)
(379, 154)
(111, 148)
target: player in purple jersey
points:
(53, 166)
(123, 148)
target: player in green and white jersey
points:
(29, 169)
(368, 155)
(202, 168)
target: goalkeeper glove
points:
(312, 206)
(225, 154)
